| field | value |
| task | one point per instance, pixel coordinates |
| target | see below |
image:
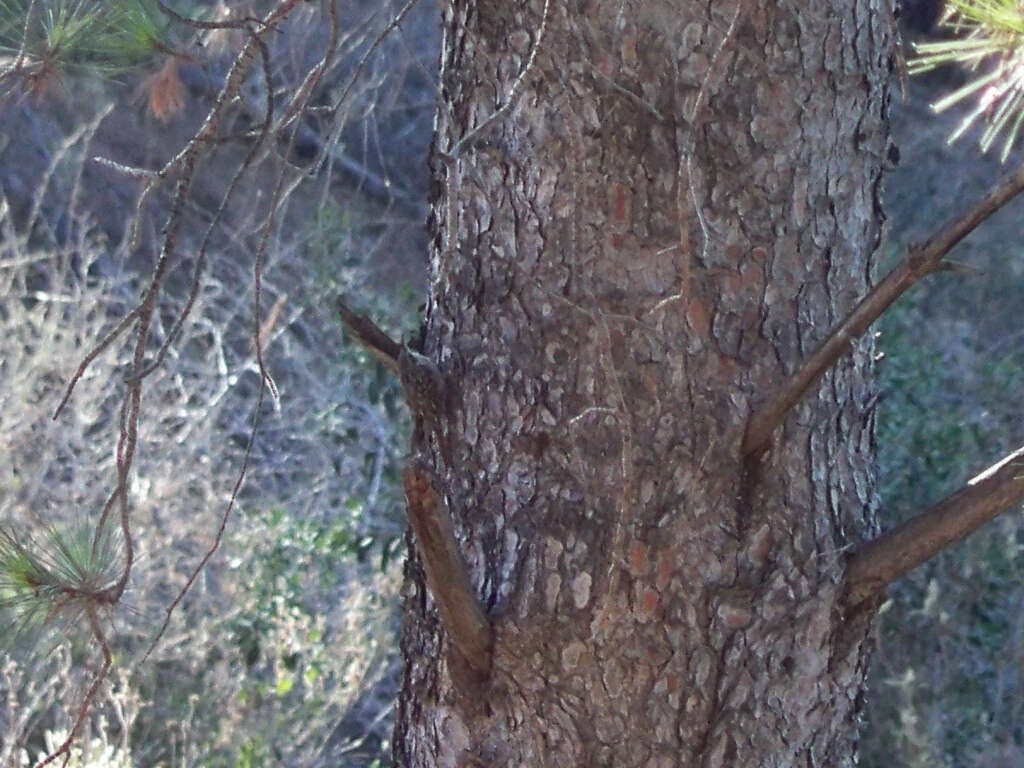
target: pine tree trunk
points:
(680, 201)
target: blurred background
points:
(284, 652)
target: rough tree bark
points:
(648, 213)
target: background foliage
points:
(283, 651)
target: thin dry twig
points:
(335, 130)
(233, 186)
(222, 527)
(237, 23)
(83, 708)
(266, 381)
(920, 261)
(142, 316)
(300, 98)
(208, 132)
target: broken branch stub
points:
(447, 578)
(900, 550)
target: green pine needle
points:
(991, 41)
(82, 36)
(59, 577)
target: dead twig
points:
(83, 708)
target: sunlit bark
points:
(667, 207)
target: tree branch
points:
(907, 546)
(369, 334)
(461, 614)
(920, 261)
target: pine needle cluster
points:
(43, 41)
(989, 41)
(59, 577)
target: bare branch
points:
(142, 314)
(221, 529)
(369, 334)
(83, 708)
(920, 261)
(460, 610)
(907, 546)
(238, 23)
